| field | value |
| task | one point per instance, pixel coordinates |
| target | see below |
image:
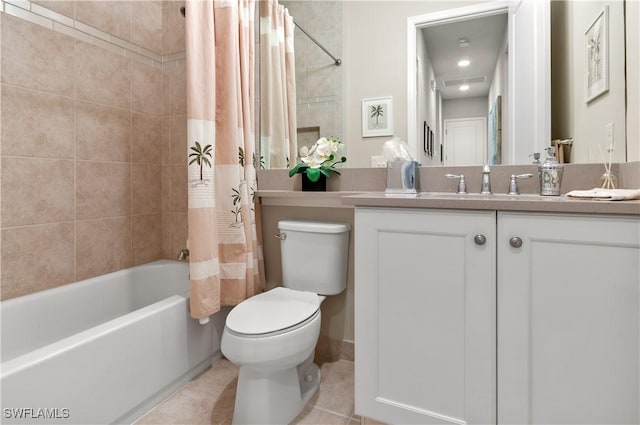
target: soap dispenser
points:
(550, 174)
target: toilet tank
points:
(314, 255)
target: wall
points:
(465, 108)
(318, 80)
(375, 65)
(174, 132)
(571, 115)
(82, 140)
(633, 80)
(427, 102)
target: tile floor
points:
(209, 398)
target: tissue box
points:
(401, 177)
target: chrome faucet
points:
(462, 185)
(485, 188)
(513, 183)
(183, 254)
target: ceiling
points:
(485, 36)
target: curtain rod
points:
(337, 61)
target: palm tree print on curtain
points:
(200, 156)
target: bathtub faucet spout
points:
(183, 254)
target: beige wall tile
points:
(146, 88)
(113, 17)
(36, 191)
(166, 140)
(147, 238)
(166, 188)
(102, 76)
(102, 246)
(66, 8)
(147, 189)
(35, 258)
(166, 99)
(179, 233)
(102, 133)
(146, 30)
(36, 123)
(178, 188)
(178, 152)
(102, 189)
(36, 57)
(166, 238)
(176, 88)
(173, 28)
(146, 138)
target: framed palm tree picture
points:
(596, 76)
(377, 117)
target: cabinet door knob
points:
(515, 242)
(480, 239)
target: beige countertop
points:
(442, 200)
(498, 202)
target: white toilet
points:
(272, 336)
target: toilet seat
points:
(275, 311)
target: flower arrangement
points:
(320, 159)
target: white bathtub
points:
(103, 350)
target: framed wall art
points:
(596, 73)
(377, 117)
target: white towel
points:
(606, 194)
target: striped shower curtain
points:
(278, 133)
(226, 264)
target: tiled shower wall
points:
(93, 121)
(318, 80)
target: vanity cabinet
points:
(495, 317)
(425, 324)
(569, 323)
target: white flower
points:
(320, 152)
(312, 161)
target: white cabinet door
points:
(568, 319)
(425, 316)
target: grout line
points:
(42, 16)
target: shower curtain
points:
(278, 133)
(226, 263)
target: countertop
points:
(442, 200)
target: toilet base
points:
(274, 397)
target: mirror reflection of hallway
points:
(465, 140)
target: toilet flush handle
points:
(281, 236)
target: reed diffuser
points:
(608, 180)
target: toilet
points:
(272, 336)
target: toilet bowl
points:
(272, 336)
(277, 375)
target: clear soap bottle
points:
(550, 174)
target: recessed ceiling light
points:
(464, 87)
(464, 62)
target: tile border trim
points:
(44, 17)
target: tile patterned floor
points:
(209, 399)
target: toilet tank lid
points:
(313, 226)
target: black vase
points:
(309, 186)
